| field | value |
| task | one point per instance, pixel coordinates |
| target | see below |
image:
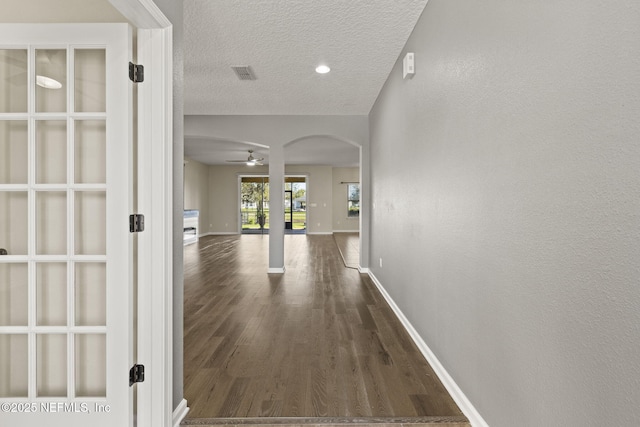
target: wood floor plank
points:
(332, 422)
(377, 395)
(348, 245)
(317, 341)
(228, 407)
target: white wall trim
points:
(456, 393)
(321, 233)
(155, 245)
(180, 413)
(142, 13)
(220, 233)
(272, 270)
(346, 231)
(365, 271)
(155, 175)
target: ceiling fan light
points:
(251, 163)
(48, 82)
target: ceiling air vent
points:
(244, 73)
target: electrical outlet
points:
(380, 262)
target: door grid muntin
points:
(60, 253)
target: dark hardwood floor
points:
(349, 247)
(317, 342)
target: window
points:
(254, 208)
(353, 200)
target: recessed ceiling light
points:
(48, 82)
(322, 69)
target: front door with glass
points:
(295, 204)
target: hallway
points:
(316, 342)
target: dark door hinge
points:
(136, 72)
(136, 374)
(136, 223)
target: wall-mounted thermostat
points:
(408, 66)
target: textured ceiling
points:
(315, 150)
(283, 41)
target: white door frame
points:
(155, 201)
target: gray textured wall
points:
(506, 204)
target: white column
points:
(365, 206)
(276, 209)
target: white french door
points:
(65, 199)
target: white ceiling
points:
(317, 150)
(283, 41)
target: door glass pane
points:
(51, 223)
(90, 223)
(13, 295)
(53, 212)
(288, 208)
(13, 222)
(90, 80)
(51, 297)
(51, 360)
(51, 80)
(90, 294)
(91, 354)
(299, 203)
(90, 152)
(13, 81)
(255, 204)
(14, 358)
(51, 152)
(13, 152)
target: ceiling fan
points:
(251, 161)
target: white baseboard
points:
(223, 233)
(365, 270)
(456, 393)
(319, 232)
(346, 231)
(276, 270)
(180, 413)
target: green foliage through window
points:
(353, 200)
